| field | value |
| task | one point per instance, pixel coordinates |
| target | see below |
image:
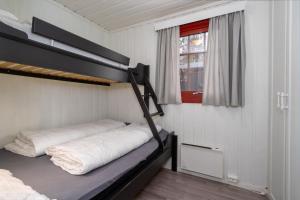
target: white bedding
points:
(34, 143)
(12, 188)
(81, 156)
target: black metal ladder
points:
(144, 103)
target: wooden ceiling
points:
(115, 14)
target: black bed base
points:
(133, 182)
(17, 48)
(28, 52)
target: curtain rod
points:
(202, 14)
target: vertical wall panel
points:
(30, 103)
(279, 133)
(123, 105)
(295, 107)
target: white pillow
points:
(6, 14)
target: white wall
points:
(57, 14)
(242, 133)
(139, 43)
(295, 107)
(29, 103)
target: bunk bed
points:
(50, 52)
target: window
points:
(193, 48)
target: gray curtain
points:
(167, 83)
(224, 77)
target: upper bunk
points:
(46, 51)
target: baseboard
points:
(168, 164)
(270, 196)
(253, 188)
(250, 187)
(200, 175)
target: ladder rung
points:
(148, 95)
(154, 114)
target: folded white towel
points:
(34, 143)
(81, 156)
(12, 188)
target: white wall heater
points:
(203, 160)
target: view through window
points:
(193, 49)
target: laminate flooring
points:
(169, 185)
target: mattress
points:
(46, 178)
(26, 27)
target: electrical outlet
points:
(232, 178)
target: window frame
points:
(188, 30)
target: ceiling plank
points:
(115, 14)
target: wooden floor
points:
(168, 185)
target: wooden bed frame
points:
(22, 56)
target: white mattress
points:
(26, 27)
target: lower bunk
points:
(120, 179)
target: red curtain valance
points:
(194, 28)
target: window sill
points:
(191, 97)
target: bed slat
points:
(26, 70)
